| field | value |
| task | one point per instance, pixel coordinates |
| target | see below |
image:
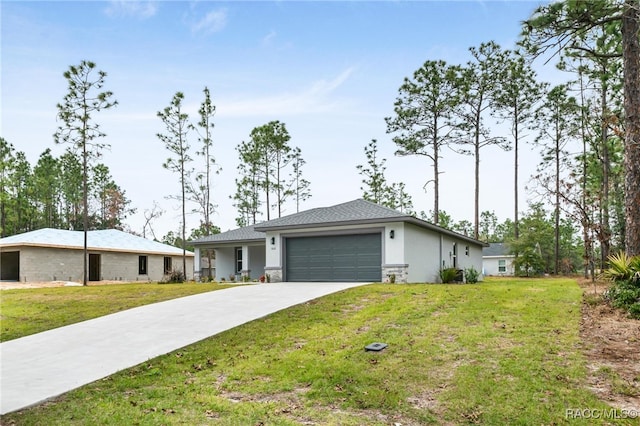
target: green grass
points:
(501, 352)
(29, 311)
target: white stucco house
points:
(497, 260)
(57, 255)
(353, 241)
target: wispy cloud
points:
(268, 39)
(131, 8)
(315, 98)
(212, 22)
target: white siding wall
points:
(256, 261)
(490, 265)
(422, 249)
(225, 263)
(273, 252)
(394, 248)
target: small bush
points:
(448, 275)
(471, 275)
(175, 276)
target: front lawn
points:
(30, 311)
(497, 353)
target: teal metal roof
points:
(105, 240)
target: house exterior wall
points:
(56, 264)
(414, 254)
(422, 248)
(274, 253)
(225, 262)
(426, 252)
(256, 261)
(490, 265)
(50, 264)
(394, 264)
(124, 266)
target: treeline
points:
(49, 194)
(583, 129)
(270, 175)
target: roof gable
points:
(108, 239)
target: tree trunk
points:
(85, 200)
(606, 168)
(436, 179)
(556, 213)
(184, 227)
(631, 58)
(476, 214)
(516, 232)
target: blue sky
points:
(329, 70)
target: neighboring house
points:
(353, 241)
(497, 260)
(56, 255)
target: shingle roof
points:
(246, 233)
(356, 212)
(106, 240)
(496, 249)
(359, 210)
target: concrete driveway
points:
(44, 365)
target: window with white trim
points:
(238, 260)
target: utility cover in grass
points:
(377, 347)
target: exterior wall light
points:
(273, 241)
(392, 234)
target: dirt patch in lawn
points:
(612, 346)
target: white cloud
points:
(313, 99)
(268, 39)
(131, 8)
(212, 22)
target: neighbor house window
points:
(238, 260)
(167, 265)
(142, 265)
(502, 265)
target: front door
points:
(94, 267)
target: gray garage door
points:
(334, 258)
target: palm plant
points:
(623, 267)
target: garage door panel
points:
(334, 258)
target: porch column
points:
(246, 272)
(196, 264)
